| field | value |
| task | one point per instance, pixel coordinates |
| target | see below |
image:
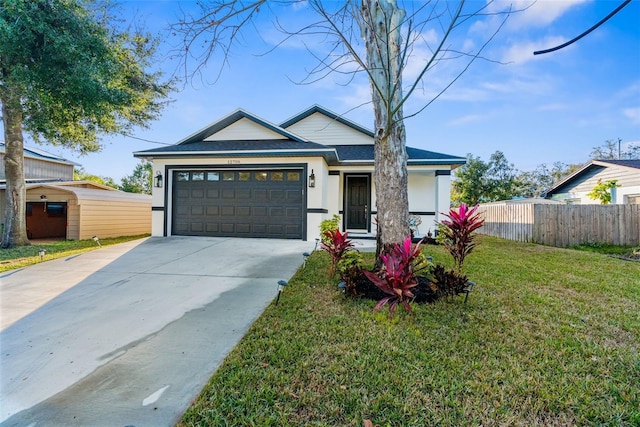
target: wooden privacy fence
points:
(563, 225)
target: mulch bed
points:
(423, 292)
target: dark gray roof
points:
(262, 148)
(318, 109)
(364, 153)
(290, 144)
(361, 154)
(627, 163)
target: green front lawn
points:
(27, 255)
(548, 337)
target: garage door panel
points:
(243, 211)
(266, 203)
(276, 229)
(243, 194)
(293, 195)
(260, 211)
(277, 195)
(181, 227)
(243, 228)
(260, 195)
(227, 228)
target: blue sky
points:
(536, 109)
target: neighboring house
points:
(243, 176)
(40, 166)
(574, 188)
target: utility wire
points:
(145, 140)
(602, 21)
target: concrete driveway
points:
(128, 335)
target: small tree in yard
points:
(602, 191)
(336, 244)
(67, 76)
(459, 233)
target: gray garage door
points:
(238, 203)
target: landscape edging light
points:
(281, 285)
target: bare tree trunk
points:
(15, 220)
(380, 28)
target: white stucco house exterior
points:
(243, 176)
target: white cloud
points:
(465, 120)
(538, 13)
(633, 114)
(521, 52)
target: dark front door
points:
(357, 203)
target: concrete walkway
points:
(128, 335)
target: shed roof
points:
(36, 153)
(86, 190)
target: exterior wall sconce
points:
(157, 180)
(312, 179)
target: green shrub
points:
(326, 225)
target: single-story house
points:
(78, 210)
(574, 188)
(243, 176)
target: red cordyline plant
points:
(336, 244)
(397, 276)
(459, 232)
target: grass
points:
(27, 255)
(605, 248)
(548, 337)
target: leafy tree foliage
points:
(536, 182)
(480, 182)
(613, 150)
(602, 191)
(80, 174)
(140, 181)
(67, 76)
